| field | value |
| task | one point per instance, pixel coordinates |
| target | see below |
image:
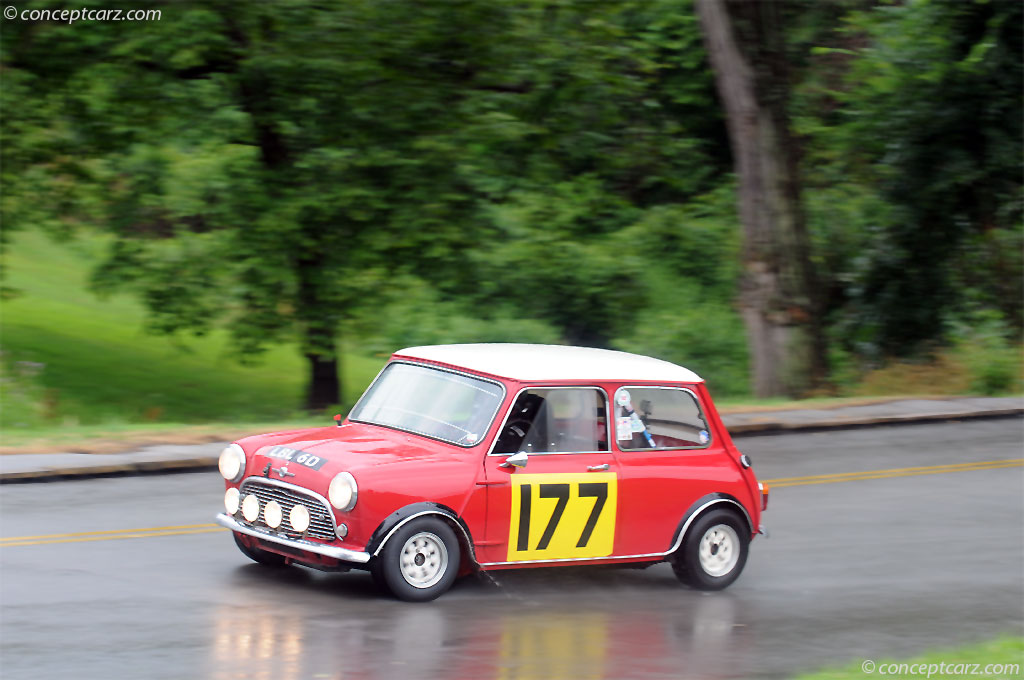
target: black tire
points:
(420, 561)
(263, 557)
(725, 539)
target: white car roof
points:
(552, 362)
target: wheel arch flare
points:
(396, 520)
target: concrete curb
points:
(35, 469)
(782, 427)
(131, 469)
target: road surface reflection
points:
(590, 634)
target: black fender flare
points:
(402, 516)
(702, 505)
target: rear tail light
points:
(764, 495)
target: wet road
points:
(857, 567)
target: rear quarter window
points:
(649, 418)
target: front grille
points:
(321, 520)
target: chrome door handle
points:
(597, 468)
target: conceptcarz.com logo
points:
(70, 16)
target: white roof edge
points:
(528, 363)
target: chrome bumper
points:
(337, 553)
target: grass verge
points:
(972, 661)
(70, 358)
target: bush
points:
(982, 343)
(417, 315)
(707, 338)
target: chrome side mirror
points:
(518, 460)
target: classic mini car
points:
(496, 456)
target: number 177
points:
(561, 492)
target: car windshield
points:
(449, 406)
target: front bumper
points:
(343, 554)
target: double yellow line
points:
(191, 529)
(894, 472)
(86, 536)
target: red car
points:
(499, 456)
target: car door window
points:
(659, 418)
(556, 420)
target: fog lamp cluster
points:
(273, 513)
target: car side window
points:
(556, 420)
(659, 418)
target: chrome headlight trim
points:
(343, 491)
(231, 457)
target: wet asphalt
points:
(870, 569)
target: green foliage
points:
(982, 342)
(414, 314)
(914, 121)
(294, 177)
(689, 257)
(283, 168)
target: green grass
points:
(1008, 649)
(89, 360)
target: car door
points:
(561, 504)
(668, 458)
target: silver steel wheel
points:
(423, 560)
(719, 550)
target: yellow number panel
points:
(559, 516)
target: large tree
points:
(275, 168)
(777, 290)
(259, 163)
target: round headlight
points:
(232, 463)
(273, 514)
(251, 508)
(231, 500)
(299, 518)
(343, 491)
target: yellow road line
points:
(190, 529)
(894, 472)
(13, 542)
(109, 533)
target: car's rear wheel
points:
(714, 551)
(263, 557)
(420, 561)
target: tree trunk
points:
(777, 289)
(324, 388)
(318, 318)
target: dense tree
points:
(914, 129)
(395, 173)
(284, 167)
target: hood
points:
(352, 447)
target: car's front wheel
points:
(714, 551)
(420, 561)
(261, 556)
